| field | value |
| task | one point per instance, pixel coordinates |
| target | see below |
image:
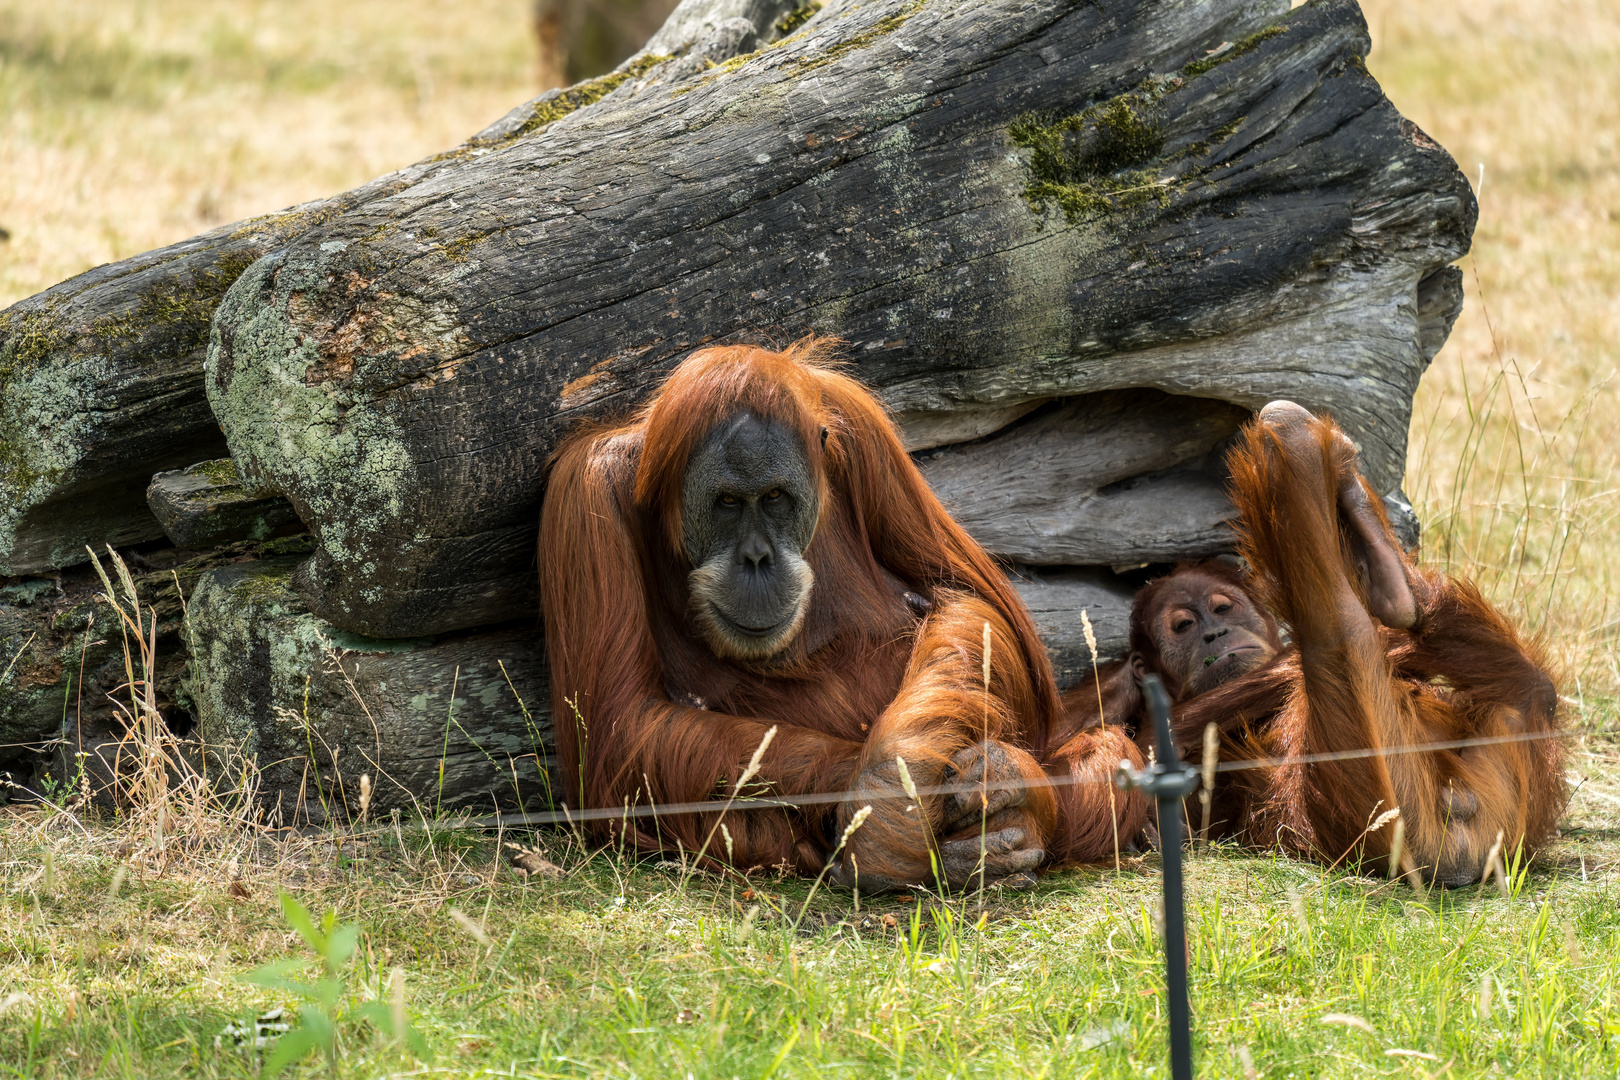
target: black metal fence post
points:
(1169, 780)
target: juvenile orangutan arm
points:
(1329, 566)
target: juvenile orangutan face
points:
(1207, 631)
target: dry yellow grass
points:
(128, 125)
(1514, 458)
(125, 126)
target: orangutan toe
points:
(1283, 415)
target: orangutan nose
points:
(755, 552)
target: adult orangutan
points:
(755, 549)
(1383, 655)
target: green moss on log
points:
(221, 472)
(1091, 163)
(265, 583)
(171, 318)
(438, 724)
(287, 224)
(1106, 158)
(1110, 157)
(171, 305)
(32, 337)
(1221, 56)
(796, 18)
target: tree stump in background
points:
(581, 39)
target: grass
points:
(128, 126)
(622, 970)
(1513, 462)
(132, 124)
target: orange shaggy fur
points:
(1348, 683)
(888, 662)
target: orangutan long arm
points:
(1295, 482)
(941, 712)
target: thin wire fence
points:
(791, 802)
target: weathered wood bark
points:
(101, 375)
(439, 725)
(1120, 477)
(1056, 598)
(1234, 222)
(204, 505)
(101, 386)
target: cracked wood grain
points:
(862, 179)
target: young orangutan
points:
(1383, 655)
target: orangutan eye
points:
(1180, 626)
(728, 500)
(1223, 607)
(773, 494)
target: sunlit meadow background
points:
(127, 125)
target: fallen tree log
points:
(253, 677)
(995, 204)
(1070, 245)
